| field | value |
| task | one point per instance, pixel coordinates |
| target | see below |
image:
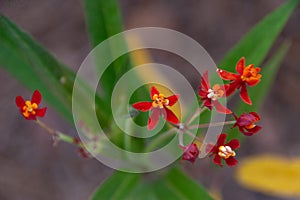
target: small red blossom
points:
(210, 95)
(81, 150)
(190, 153)
(30, 109)
(225, 151)
(246, 123)
(158, 107)
(247, 75)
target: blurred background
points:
(30, 168)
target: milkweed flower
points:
(225, 151)
(246, 123)
(210, 95)
(81, 150)
(247, 75)
(190, 152)
(158, 107)
(30, 108)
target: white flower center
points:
(225, 152)
(212, 95)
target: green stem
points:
(56, 135)
(197, 112)
(186, 131)
(159, 139)
(211, 124)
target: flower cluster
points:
(30, 110)
(222, 151)
(246, 76)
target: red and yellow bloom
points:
(225, 151)
(190, 153)
(30, 109)
(247, 75)
(246, 123)
(158, 107)
(210, 95)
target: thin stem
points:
(47, 128)
(197, 112)
(192, 135)
(159, 139)
(56, 135)
(180, 138)
(211, 124)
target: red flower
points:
(246, 76)
(246, 123)
(210, 95)
(30, 109)
(190, 153)
(81, 150)
(158, 107)
(225, 151)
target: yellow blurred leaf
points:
(271, 174)
(141, 57)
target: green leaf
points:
(257, 43)
(261, 91)
(183, 187)
(118, 186)
(103, 20)
(34, 67)
(174, 185)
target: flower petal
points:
(220, 108)
(208, 104)
(153, 92)
(205, 81)
(225, 75)
(245, 119)
(255, 115)
(154, 117)
(217, 160)
(252, 131)
(244, 95)
(142, 106)
(231, 161)
(173, 99)
(221, 139)
(36, 97)
(41, 112)
(31, 117)
(170, 116)
(232, 87)
(234, 144)
(240, 65)
(20, 101)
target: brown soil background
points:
(30, 168)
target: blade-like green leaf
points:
(118, 186)
(174, 185)
(34, 67)
(257, 43)
(260, 92)
(184, 187)
(103, 20)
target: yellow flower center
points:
(251, 74)
(225, 152)
(29, 108)
(251, 126)
(159, 101)
(216, 92)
